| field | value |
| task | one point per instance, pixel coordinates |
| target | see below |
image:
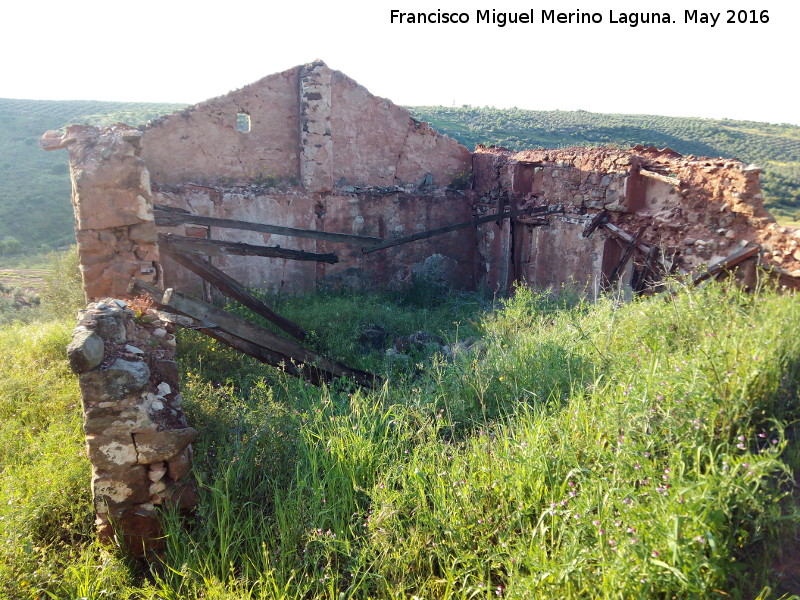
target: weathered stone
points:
(141, 531)
(373, 337)
(113, 383)
(157, 472)
(183, 495)
(110, 328)
(111, 452)
(128, 486)
(163, 445)
(85, 351)
(111, 420)
(180, 465)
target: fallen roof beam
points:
(730, 261)
(596, 221)
(659, 177)
(231, 288)
(534, 210)
(625, 237)
(220, 248)
(170, 218)
(626, 256)
(254, 340)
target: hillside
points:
(35, 187)
(546, 448)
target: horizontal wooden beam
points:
(659, 177)
(231, 288)
(170, 218)
(534, 210)
(220, 248)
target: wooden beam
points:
(231, 288)
(659, 177)
(730, 261)
(597, 220)
(286, 350)
(625, 236)
(535, 210)
(170, 218)
(221, 248)
(626, 256)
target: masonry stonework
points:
(137, 437)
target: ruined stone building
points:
(309, 148)
(331, 186)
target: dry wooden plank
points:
(169, 218)
(626, 255)
(597, 221)
(659, 177)
(730, 261)
(535, 210)
(222, 248)
(625, 236)
(241, 328)
(231, 288)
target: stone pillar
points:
(137, 437)
(113, 206)
(316, 144)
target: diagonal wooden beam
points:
(231, 288)
(254, 340)
(730, 261)
(535, 210)
(170, 218)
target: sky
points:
(185, 51)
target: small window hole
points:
(243, 122)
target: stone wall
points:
(363, 211)
(696, 210)
(312, 149)
(113, 207)
(137, 437)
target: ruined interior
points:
(305, 180)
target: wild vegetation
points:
(34, 189)
(556, 450)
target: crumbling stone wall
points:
(696, 210)
(137, 437)
(378, 212)
(113, 206)
(319, 152)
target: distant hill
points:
(34, 185)
(35, 188)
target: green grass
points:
(641, 450)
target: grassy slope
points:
(34, 186)
(621, 451)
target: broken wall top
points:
(310, 125)
(700, 208)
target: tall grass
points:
(610, 450)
